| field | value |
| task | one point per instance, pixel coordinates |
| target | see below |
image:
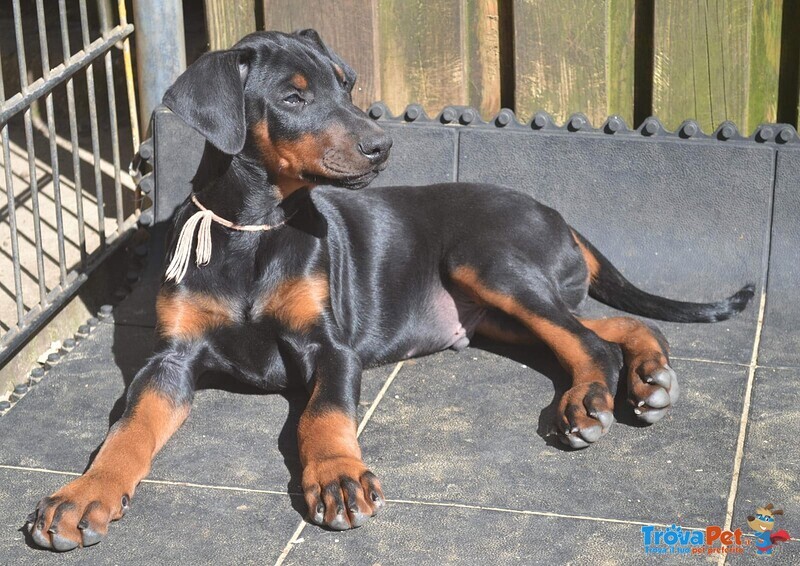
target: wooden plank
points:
(347, 26)
(482, 51)
(716, 61)
(620, 59)
(765, 58)
(574, 56)
(227, 21)
(439, 53)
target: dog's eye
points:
(294, 99)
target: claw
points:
(662, 377)
(319, 514)
(592, 433)
(674, 391)
(606, 419)
(90, 537)
(653, 415)
(40, 538)
(63, 544)
(573, 441)
(357, 518)
(659, 399)
(339, 523)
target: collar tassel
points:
(204, 217)
(183, 251)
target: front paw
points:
(341, 493)
(79, 513)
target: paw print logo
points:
(763, 523)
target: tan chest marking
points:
(190, 315)
(298, 303)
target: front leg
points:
(341, 493)
(79, 513)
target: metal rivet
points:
(92, 322)
(4, 405)
(765, 134)
(448, 115)
(120, 294)
(54, 357)
(106, 310)
(727, 132)
(614, 125)
(146, 184)
(467, 117)
(146, 149)
(146, 217)
(650, 127)
(132, 276)
(83, 330)
(503, 119)
(37, 373)
(576, 123)
(140, 250)
(412, 113)
(375, 112)
(689, 129)
(21, 389)
(785, 135)
(69, 343)
(539, 121)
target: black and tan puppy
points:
(289, 285)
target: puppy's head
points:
(283, 99)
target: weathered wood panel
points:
(439, 53)
(227, 21)
(347, 26)
(715, 61)
(620, 75)
(765, 58)
(574, 56)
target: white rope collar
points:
(183, 251)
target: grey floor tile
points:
(471, 428)
(771, 466)
(232, 437)
(416, 534)
(165, 525)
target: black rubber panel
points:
(780, 340)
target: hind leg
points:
(652, 383)
(585, 411)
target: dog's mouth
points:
(343, 178)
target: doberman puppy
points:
(290, 285)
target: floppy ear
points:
(209, 96)
(349, 73)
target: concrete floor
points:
(460, 441)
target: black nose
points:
(376, 148)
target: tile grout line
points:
(706, 361)
(399, 501)
(157, 482)
(748, 392)
(367, 416)
(545, 514)
(535, 513)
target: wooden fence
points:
(710, 60)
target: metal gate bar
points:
(24, 104)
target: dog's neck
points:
(245, 193)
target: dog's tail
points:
(608, 286)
